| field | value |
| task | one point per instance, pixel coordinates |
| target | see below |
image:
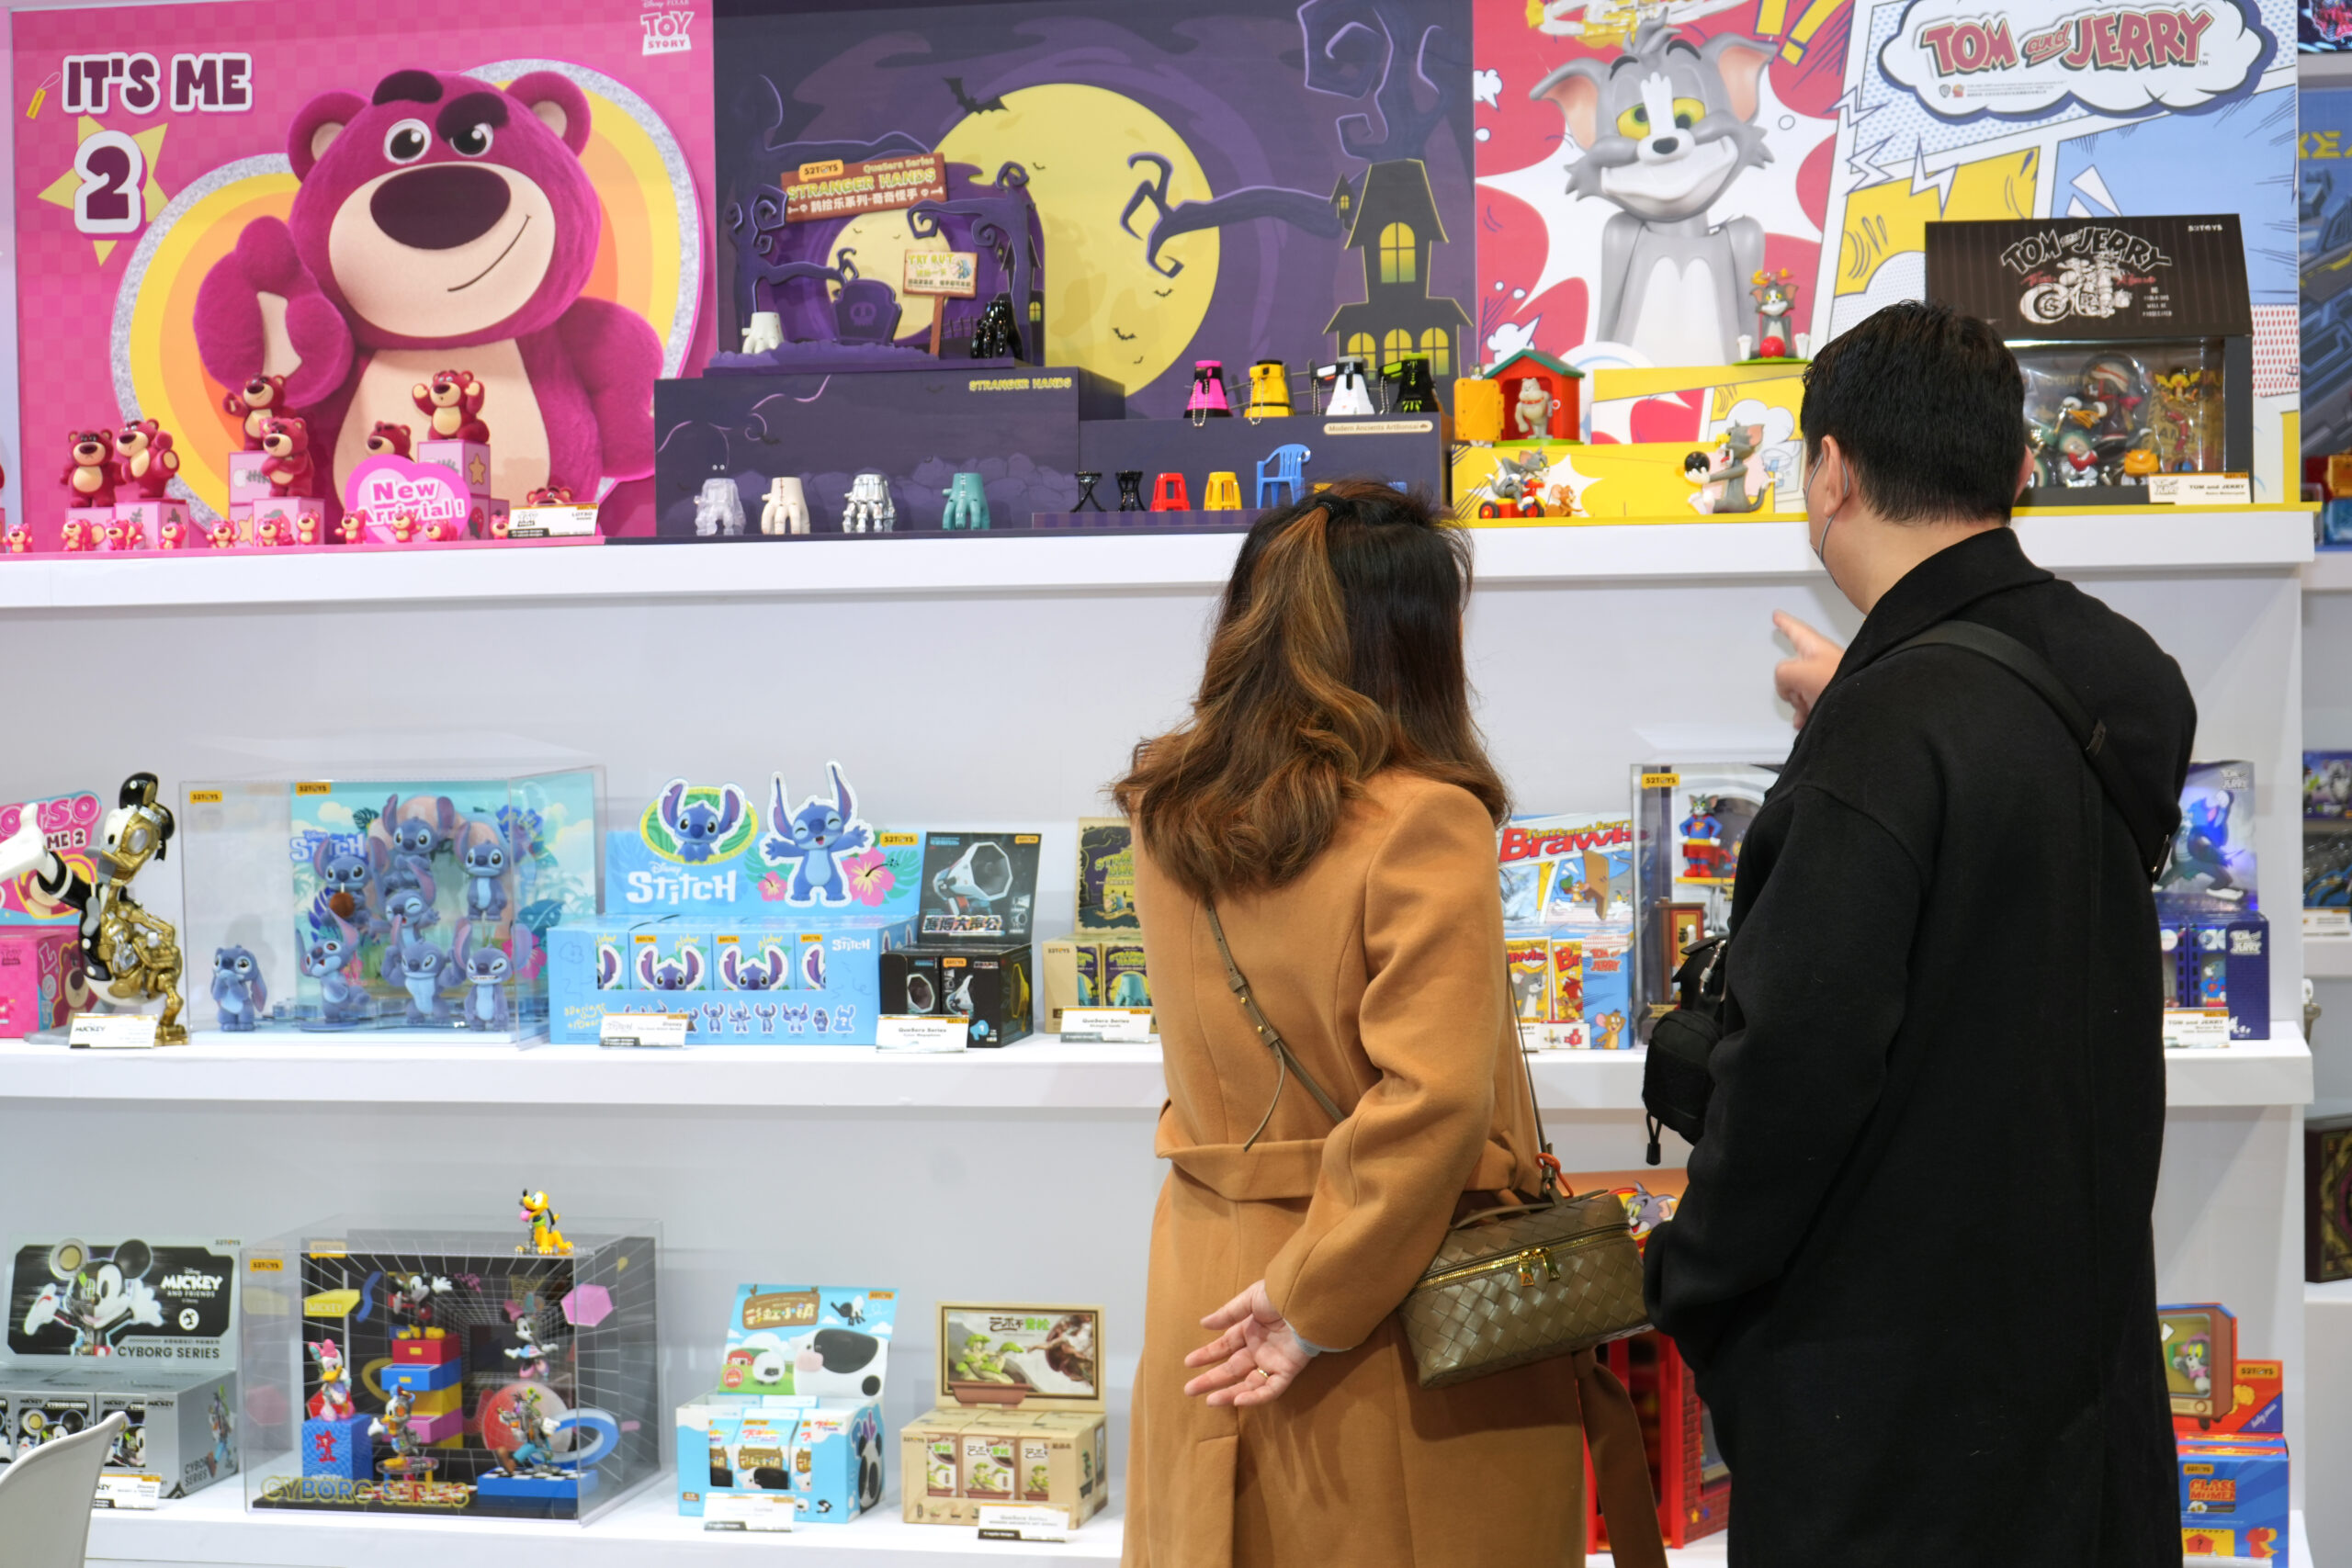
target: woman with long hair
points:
(1328, 805)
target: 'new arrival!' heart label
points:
(402, 501)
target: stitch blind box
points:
(2136, 337)
(453, 1372)
(408, 907)
(1021, 1418)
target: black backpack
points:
(1677, 1081)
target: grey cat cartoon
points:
(1665, 128)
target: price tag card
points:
(643, 1031)
(112, 1032)
(1015, 1521)
(129, 1491)
(765, 1511)
(1115, 1026)
(913, 1032)
(2197, 1029)
(2328, 923)
(2200, 490)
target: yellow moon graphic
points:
(1106, 310)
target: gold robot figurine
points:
(133, 953)
(546, 1239)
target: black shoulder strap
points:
(2034, 670)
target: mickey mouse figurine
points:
(133, 953)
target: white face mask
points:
(1821, 548)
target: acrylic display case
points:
(1689, 823)
(450, 1372)
(380, 905)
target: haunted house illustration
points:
(1392, 222)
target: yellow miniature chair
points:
(1224, 492)
(1477, 410)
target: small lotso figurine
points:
(19, 539)
(222, 536)
(261, 399)
(451, 405)
(553, 495)
(89, 468)
(143, 460)
(289, 470)
(546, 1239)
(389, 440)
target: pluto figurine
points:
(135, 954)
(546, 1239)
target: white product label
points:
(2200, 490)
(2328, 923)
(1118, 1026)
(112, 1032)
(914, 1032)
(128, 1491)
(643, 1031)
(765, 1511)
(1019, 1521)
(550, 521)
(2197, 1029)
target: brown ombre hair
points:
(1337, 653)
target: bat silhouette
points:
(1162, 293)
(964, 100)
(1123, 337)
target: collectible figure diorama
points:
(452, 1373)
(1019, 1417)
(2215, 939)
(386, 904)
(795, 1426)
(1690, 821)
(129, 955)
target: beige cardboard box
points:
(1024, 1421)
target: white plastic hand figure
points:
(1804, 345)
(766, 332)
(785, 511)
(44, 1312)
(23, 850)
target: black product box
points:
(977, 888)
(987, 985)
(2136, 336)
(1403, 449)
(1017, 428)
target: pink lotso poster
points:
(230, 214)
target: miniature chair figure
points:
(1224, 493)
(786, 510)
(1169, 494)
(1407, 386)
(1351, 393)
(1269, 391)
(968, 503)
(1131, 491)
(1086, 483)
(1283, 465)
(1208, 400)
(1477, 411)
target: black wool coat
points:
(1915, 1269)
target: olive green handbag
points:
(1550, 1275)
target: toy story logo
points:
(2036, 57)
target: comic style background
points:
(1862, 156)
(104, 318)
(2323, 255)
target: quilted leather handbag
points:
(1551, 1275)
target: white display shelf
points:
(2329, 571)
(644, 1532)
(1038, 1074)
(2327, 957)
(2154, 539)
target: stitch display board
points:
(136, 1301)
(367, 906)
(529, 1380)
(738, 980)
(68, 824)
(709, 848)
(1822, 139)
(1224, 179)
(154, 140)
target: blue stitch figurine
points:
(484, 976)
(327, 960)
(696, 824)
(481, 855)
(424, 971)
(815, 836)
(238, 989)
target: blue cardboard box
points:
(2233, 1499)
(830, 994)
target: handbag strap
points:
(1287, 1064)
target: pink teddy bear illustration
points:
(443, 215)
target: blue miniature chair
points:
(1289, 465)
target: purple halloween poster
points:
(1194, 179)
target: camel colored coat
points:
(1382, 966)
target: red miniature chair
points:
(1170, 495)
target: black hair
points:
(1928, 408)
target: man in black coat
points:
(1915, 1269)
